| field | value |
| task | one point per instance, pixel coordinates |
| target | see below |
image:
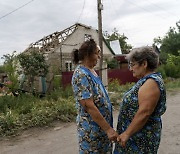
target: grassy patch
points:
(116, 91)
(25, 111)
(172, 84)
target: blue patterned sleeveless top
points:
(148, 138)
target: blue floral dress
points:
(145, 141)
(92, 139)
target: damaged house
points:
(58, 46)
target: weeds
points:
(25, 111)
(116, 91)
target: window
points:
(68, 65)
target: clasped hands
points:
(114, 137)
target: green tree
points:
(170, 43)
(2, 69)
(172, 68)
(33, 64)
(170, 52)
(112, 64)
(10, 67)
(122, 40)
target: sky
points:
(23, 22)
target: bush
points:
(172, 83)
(21, 104)
(116, 91)
(56, 81)
(9, 123)
(172, 68)
(60, 92)
(25, 111)
(112, 64)
(162, 71)
(113, 84)
(22, 112)
(2, 69)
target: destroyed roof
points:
(50, 42)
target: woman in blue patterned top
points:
(94, 119)
(139, 121)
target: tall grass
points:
(24, 111)
(172, 84)
(116, 91)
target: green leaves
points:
(170, 52)
(170, 43)
(122, 40)
(25, 111)
(33, 64)
(112, 64)
(10, 67)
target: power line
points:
(161, 8)
(134, 31)
(16, 9)
(116, 13)
(147, 10)
(82, 10)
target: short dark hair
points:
(145, 53)
(86, 50)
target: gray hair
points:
(145, 53)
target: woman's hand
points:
(112, 134)
(123, 138)
(90, 107)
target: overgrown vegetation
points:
(33, 65)
(172, 84)
(10, 66)
(25, 111)
(125, 47)
(171, 68)
(112, 64)
(116, 91)
(2, 69)
(170, 52)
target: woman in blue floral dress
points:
(94, 119)
(139, 121)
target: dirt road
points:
(61, 138)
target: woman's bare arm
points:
(148, 97)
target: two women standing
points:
(139, 122)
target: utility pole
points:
(99, 8)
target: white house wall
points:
(77, 38)
(74, 41)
